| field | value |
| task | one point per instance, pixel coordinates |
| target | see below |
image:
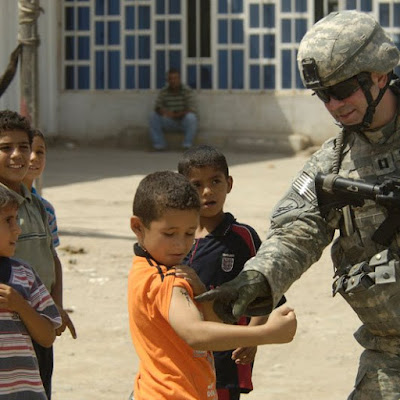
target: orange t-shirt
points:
(169, 368)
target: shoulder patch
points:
(304, 186)
(291, 202)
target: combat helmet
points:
(346, 45)
(342, 45)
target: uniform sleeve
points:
(298, 233)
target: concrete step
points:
(137, 138)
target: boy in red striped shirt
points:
(27, 311)
(221, 248)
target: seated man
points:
(174, 110)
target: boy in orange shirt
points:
(174, 338)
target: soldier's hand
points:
(234, 299)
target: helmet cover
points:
(342, 45)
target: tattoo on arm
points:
(185, 293)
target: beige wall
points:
(261, 120)
(264, 121)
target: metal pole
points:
(28, 13)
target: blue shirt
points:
(218, 258)
(51, 214)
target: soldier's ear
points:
(379, 79)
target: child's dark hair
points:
(160, 191)
(173, 70)
(8, 198)
(39, 133)
(200, 157)
(12, 121)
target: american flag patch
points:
(304, 186)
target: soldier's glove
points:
(248, 294)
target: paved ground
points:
(92, 190)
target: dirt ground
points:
(92, 190)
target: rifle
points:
(333, 191)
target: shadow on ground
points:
(93, 234)
(82, 164)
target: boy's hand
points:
(10, 299)
(65, 323)
(189, 274)
(282, 324)
(244, 355)
(168, 114)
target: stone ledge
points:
(137, 138)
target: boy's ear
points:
(137, 226)
(230, 184)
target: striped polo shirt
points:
(181, 100)
(19, 370)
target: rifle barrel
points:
(334, 183)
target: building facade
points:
(103, 61)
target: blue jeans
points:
(158, 123)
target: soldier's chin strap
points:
(365, 82)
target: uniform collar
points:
(225, 225)
(383, 134)
(141, 252)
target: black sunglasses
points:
(340, 91)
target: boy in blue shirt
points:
(220, 250)
(37, 164)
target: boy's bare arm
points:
(260, 320)
(198, 287)
(57, 295)
(188, 323)
(39, 327)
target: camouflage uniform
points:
(299, 233)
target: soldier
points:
(347, 60)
